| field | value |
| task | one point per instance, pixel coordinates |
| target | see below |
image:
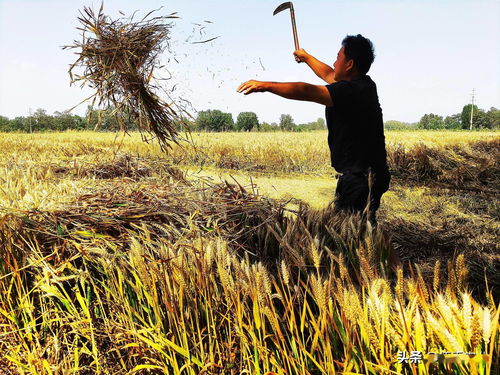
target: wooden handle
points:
(294, 28)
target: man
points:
(354, 119)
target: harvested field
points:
(116, 258)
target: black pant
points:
(357, 191)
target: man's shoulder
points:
(369, 80)
(366, 81)
(361, 82)
(365, 86)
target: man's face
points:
(341, 66)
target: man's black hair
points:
(359, 49)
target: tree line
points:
(40, 121)
(105, 120)
(481, 119)
(216, 120)
(219, 121)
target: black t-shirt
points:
(355, 126)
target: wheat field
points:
(224, 257)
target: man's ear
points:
(350, 65)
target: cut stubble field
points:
(223, 256)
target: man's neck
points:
(353, 76)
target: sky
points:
(430, 54)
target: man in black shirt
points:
(354, 119)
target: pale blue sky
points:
(430, 54)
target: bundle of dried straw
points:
(119, 58)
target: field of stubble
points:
(223, 257)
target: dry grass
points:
(118, 58)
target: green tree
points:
(494, 117)
(183, 124)
(481, 120)
(465, 115)
(286, 122)
(107, 119)
(5, 124)
(39, 120)
(397, 125)
(64, 120)
(431, 121)
(20, 124)
(247, 121)
(214, 120)
(267, 127)
(453, 121)
(319, 124)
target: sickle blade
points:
(282, 7)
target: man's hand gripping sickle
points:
(251, 86)
(301, 55)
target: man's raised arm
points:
(290, 90)
(322, 70)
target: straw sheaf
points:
(119, 58)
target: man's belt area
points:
(365, 171)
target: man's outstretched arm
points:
(290, 90)
(322, 70)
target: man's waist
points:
(357, 159)
(364, 170)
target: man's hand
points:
(301, 55)
(252, 86)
